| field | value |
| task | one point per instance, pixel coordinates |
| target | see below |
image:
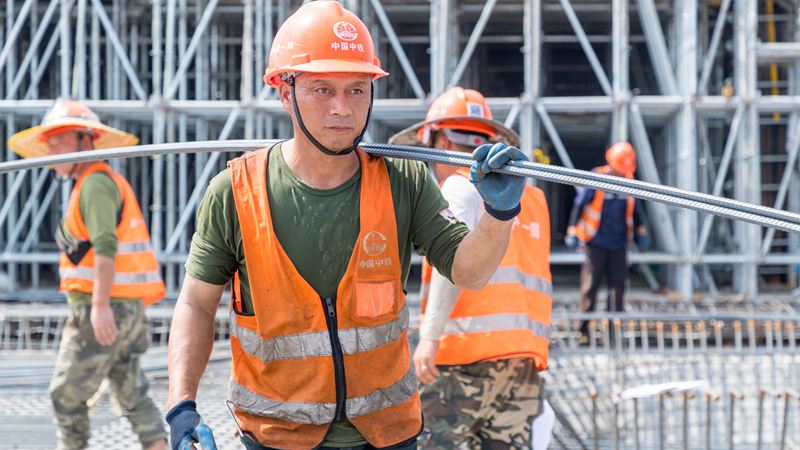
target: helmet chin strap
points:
(316, 143)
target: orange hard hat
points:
(622, 158)
(68, 115)
(322, 37)
(457, 109)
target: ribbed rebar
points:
(720, 206)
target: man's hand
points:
(424, 360)
(501, 193)
(186, 427)
(103, 323)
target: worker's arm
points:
(191, 337)
(102, 316)
(480, 253)
(483, 248)
(100, 204)
(467, 206)
(441, 301)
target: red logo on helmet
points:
(345, 31)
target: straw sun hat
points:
(68, 115)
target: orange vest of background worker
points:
(482, 328)
(286, 380)
(589, 221)
(137, 274)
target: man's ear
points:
(285, 95)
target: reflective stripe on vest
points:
(322, 413)
(87, 274)
(528, 281)
(318, 343)
(126, 248)
(497, 322)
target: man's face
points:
(66, 142)
(333, 106)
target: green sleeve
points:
(432, 230)
(100, 205)
(216, 245)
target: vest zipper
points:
(329, 304)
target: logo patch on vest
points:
(374, 243)
(532, 227)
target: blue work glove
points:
(500, 193)
(572, 241)
(186, 427)
(644, 242)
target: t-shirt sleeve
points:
(100, 204)
(213, 254)
(464, 200)
(435, 232)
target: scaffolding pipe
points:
(111, 35)
(711, 55)
(477, 32)
(722, 174)
(594, 62)
(651, 25)
(31, 53)
(169, 92)
(398, 49)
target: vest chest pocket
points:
(375, 298)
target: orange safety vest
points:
(136, 270)
(590, 217)
(510, 316)
(300, 361)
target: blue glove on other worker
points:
(186, 427)
(501, 193)
(644, 242)
(572, 241)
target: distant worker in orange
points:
(109, 273)
(480, 352)
(602, 223)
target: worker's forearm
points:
(481, 251)
(191, 337)
(441, 301)
(104, 268)
(191, 340)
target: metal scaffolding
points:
(706, 90)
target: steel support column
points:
(747, 167)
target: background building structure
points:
(706, 91)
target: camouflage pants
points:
(83, 363)
(485, 405)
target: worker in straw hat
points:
(108, 272)
(317, 237)
(603, 224)
(481, 375)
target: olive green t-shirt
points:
(100, 203)
(318, 229)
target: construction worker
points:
(317, 237)
(108, 272)
(480, 352)
(602, 223)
